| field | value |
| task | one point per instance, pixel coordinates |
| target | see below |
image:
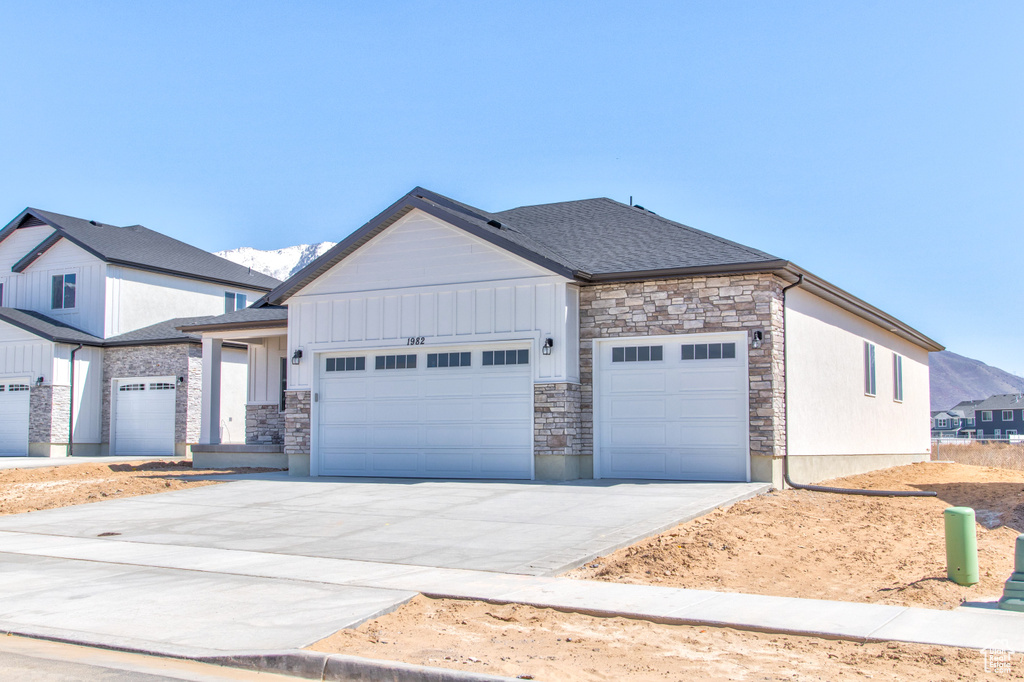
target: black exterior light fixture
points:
(758, 338)
(548, 345)
(39, 381)
(297, 356)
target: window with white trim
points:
(869, 368)
(346, 364)
(986, 415)
(897, 377)
(506, 357)
(941, 423)
(283, 385)
(234, 301)
(970, 421)
(1007, 415)
(1011, 432)
(1, 293)
(63, 291)
(997, 433)
(708, 351)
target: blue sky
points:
(880, 145)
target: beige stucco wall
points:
(829, 413)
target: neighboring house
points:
(583, 339)
(1000, 416)
(946, 424)
(88, 317)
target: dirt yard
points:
(542, 644)
(825, 546)
(24, 490)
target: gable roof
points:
(47, 327)
(136, 247)
(597, 240)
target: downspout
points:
(71, 418)
(785, 458)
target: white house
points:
(572, 340)
(89, 345)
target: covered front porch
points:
(264, 332)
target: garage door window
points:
(162, 386)
(637, 353)
(709, 351)
(448, 359)
(132, 387)
(17, 387)
(506, 357)
(346, 364)
(396, 362)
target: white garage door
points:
(14, 413)
(442, 413)
(144, 416)
(673, 408)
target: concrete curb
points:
(311, 665)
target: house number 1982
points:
(416, 341)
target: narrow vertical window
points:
(229, 302)
(869, 368)
(897, 378)
(284, 383)
(57, 295)
(69, 290)
(240, 301)
(1, 294)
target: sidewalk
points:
(977, 628)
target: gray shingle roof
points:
(1003, 401)
(601, 236)
(47, 327)
(161, 332)
(271, 316)
(137, 246)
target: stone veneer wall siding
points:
(49, 414)
(264, 425)
(694, 305)
(556, 419)
(178, 360)
(297, 424)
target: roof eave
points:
(55, 338)
(847, 301)
(185, 275)
(233, 326)
(696, 271)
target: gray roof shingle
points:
(138, 246)
(47, 327)
(161, 332)
(270, 315)
(601, 236)
(1003, 401)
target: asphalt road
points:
(31, 659)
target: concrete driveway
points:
(120, 570)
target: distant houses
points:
(998, 416)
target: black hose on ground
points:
(785, 458)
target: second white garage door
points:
(437, 413)
(143, 421)
(672, 408)
(14, 417)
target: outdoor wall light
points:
(548, 345)
(39, 381)
(297, 356)
(758, 338)
(181, 380)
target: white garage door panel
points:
(452, 422)
(144, 416)
(14, 417)
(672, 418)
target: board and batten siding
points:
(829, 413)
(23, 354)
(88, 387)
(424, 278)
(33, 288)
(265, 370)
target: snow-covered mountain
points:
(278, 263)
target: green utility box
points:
(961, 546)
(1013, 593)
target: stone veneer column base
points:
(297, 427)
(556, 434)
(264, 424)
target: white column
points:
(210, 430)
